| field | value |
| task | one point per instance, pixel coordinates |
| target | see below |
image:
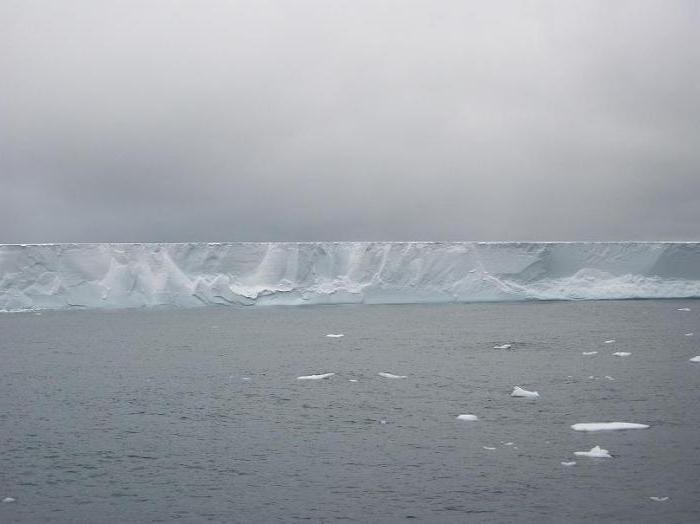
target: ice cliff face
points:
(136, 275)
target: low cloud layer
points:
(349, 120)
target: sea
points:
(198, 415)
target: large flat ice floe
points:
(55, 276)
(607, 426)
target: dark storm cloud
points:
(345, 120)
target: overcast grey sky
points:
(349, 120)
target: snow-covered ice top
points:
(53, 276)
(607, 426)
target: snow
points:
(107, 275)
(596, 452)
(332, 335)
(316, 377)
(622, 354)
(589, 353)
(467, 417)
(607, 426)
(390, 375)
(695, 359)
(503, 346)
(520, 392)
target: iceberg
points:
(695, 359)
(110, 275)
(316, 377)
(520, 392)
(607, 426)
(390, 375)
(596, 452)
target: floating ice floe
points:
(488, 447)
(8, 499)
(316, 377)
(352, 380)
(503, 346)
(659, 499)
(334, 335)
(622, 354)
(596, 452)
(390, 375)
(589, 353)
(609, 377)
(689, 334)
(683, 309)
(572, 463)
(695, 359)
(611, 341)
(520, 392)
(607, 426)
(509, 443)
(467, 417)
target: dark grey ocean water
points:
(147, 416)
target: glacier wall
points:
(56, 276)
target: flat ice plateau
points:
(103, 275)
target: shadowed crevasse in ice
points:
(57, 276)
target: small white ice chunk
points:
(520, 392)
(8, 499)
(572, 463)
(622, 354)
(683, 309)
(659, 499)
(467, 417)
(335, 335)
(488, 447)
(353, 380)
(316, 377)
(607, 426)
(609, 377)
(390, 375)
(611, 341)
(695, 359)
(503, 346)
(689, 334)
(596, 452)
(589, 353)
(509, 443)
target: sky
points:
(172, 120)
